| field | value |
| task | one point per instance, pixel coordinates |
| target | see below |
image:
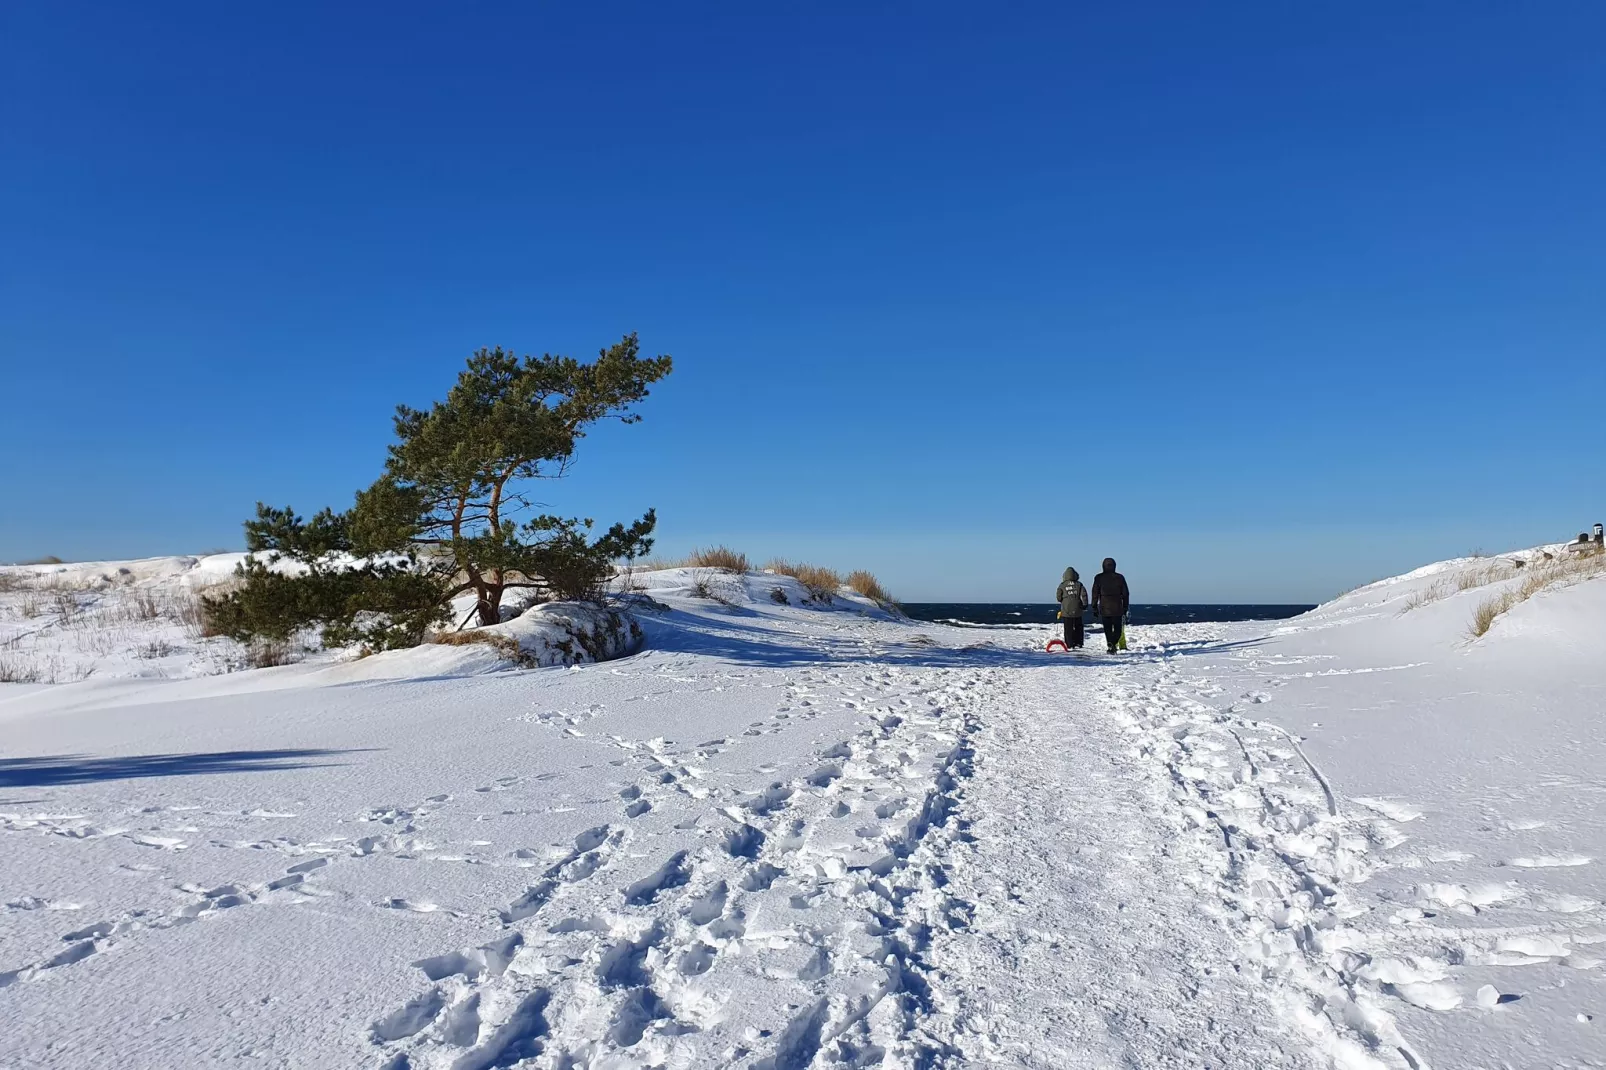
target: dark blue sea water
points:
(1041, 613)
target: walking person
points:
(1111, 600)
(1072, 597)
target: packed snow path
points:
(786, 838)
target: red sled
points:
(1052, 643)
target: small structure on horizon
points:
(1588, 543)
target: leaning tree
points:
(451, 514)
(459, 474)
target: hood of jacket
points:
(1109, 564)
(1070, 576)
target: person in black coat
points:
(1111, 601)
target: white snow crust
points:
(785, 835)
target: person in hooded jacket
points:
(1072, 597)
(1111, 601)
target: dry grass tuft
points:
(143, 605)
(866, 584)
(1490, 608)
(1466, 580)
(66, 605)
(191, 608)
(1482, 577)
(821, 583)
(505, 645)
(721, 557)
(657, 564)
(18, 670)
(1555, 573)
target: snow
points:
(141, 620)
(785, 835)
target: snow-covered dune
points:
(114, 622)
(787, 835)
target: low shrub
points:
(704, 584)
(381, 606)
(143, 605)
(266, 653)
(66, 606)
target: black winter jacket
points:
(1110, 595)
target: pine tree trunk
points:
(489, 606)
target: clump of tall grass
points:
(822, 583)
(66, 605)
(16, 669)
(1466, 580)
(721, 557)
(866, 584)
(1556, 573)
(1482, 577)
(505, 645)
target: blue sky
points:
(1266, 300)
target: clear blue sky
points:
(1266, 300)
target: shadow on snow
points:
(723, 637)
(56, 769)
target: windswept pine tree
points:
(451, 513)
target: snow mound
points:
(557, 633)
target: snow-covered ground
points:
(787, 836)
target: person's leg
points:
(1077, 636)
(1112, 631)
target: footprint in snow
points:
(1549, 861)
(1394, 811)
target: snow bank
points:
(140, 620)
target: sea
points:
(995, 613)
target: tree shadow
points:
(750, 645)
(57, 769)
